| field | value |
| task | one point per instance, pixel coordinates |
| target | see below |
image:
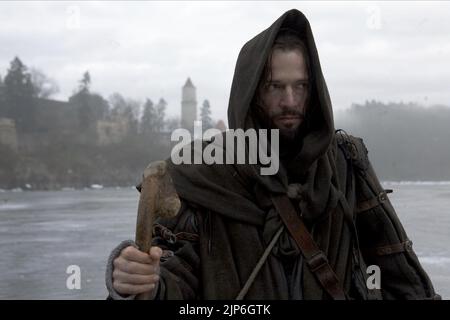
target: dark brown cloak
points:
(227, 219)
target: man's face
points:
(284, 95)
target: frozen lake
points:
(42, 233)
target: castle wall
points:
(8, 134)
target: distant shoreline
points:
(101, 187)
(417, 182)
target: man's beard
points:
(288, 135)
(290, 139)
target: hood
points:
(232, 190)
(249, 69)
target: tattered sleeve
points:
(383, 240)
(178, 237)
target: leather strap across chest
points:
(315, 258)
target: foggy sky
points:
(387, 51)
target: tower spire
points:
(188, 105)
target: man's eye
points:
(275, 86)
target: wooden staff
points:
(158, 199)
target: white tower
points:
(188, 105)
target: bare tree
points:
(44, 87)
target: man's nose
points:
(289, 97)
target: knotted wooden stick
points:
(158, 199)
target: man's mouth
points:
(289, 117)
(289, 120)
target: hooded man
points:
(233, 236)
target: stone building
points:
(111, 131)
(8, 134)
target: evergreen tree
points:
(19, 93)
(85, 83)
(205, 115)
(160, 115)
(148, 118)
(90, 107)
